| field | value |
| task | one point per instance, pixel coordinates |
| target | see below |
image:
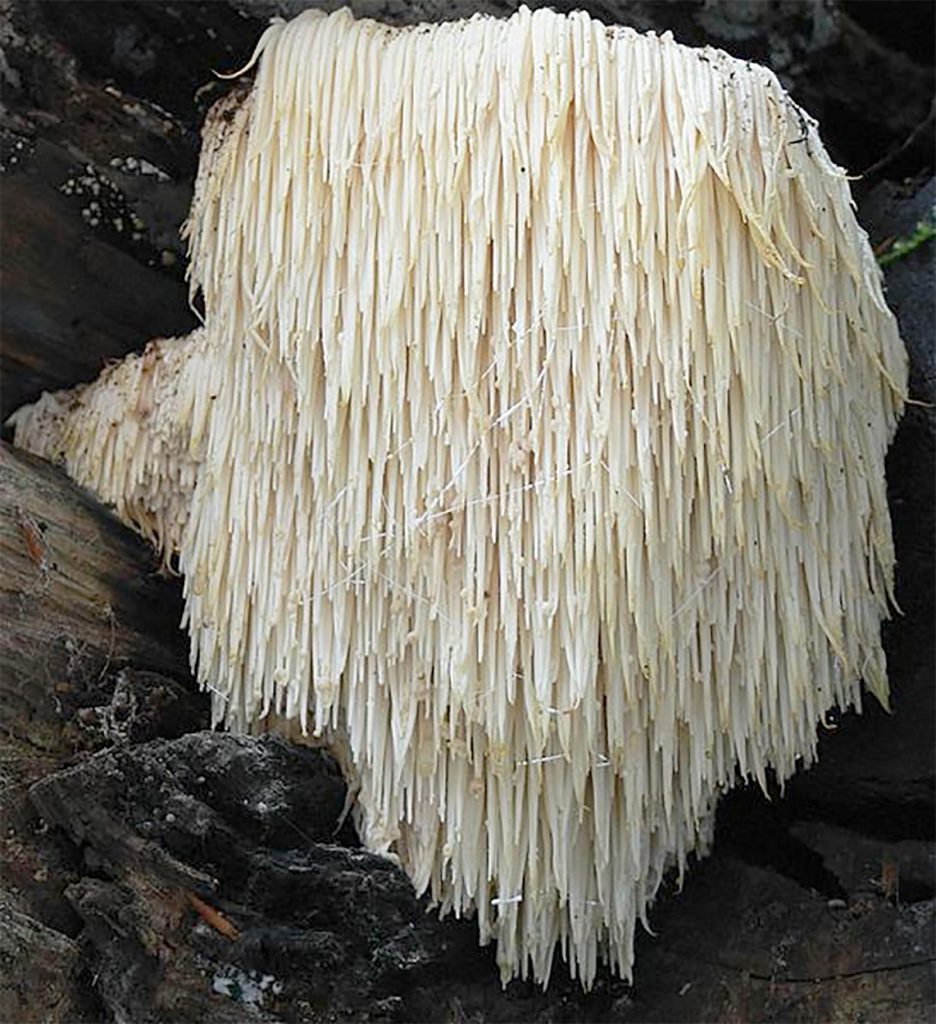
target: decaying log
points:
(89, 627)
(41, 968)
(244, 825)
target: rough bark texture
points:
(154, 871)
(80, 599)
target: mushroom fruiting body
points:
(535, 453)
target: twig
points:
(213, 917)
(879, 165)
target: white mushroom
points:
(134, 436)
(550, 385)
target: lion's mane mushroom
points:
(543, 463)
(135, 435)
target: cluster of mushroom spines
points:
(550, 386)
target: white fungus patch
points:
(106, 204)
(532, 453)
(15, 150)
(137, 166)
(246, 987)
